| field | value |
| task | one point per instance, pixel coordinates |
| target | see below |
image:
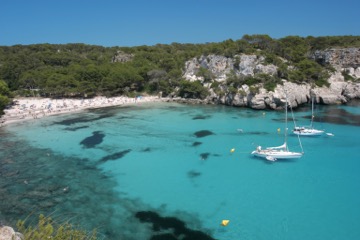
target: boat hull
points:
(308, 132)
(276, 154)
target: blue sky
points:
(149, 22)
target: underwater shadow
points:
(92, 141)
(169, 227)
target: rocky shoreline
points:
(338, 91)
(297, 96)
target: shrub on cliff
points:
(192, 90)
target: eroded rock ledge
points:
(339, 91)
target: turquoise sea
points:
(166, 171)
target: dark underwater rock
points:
(193, 174)
(204, 156)
(195, 144)
(92, 141)
(201, 117)
(115, 156)
(178, 227)
(146, 149)
(203, 133)
(73, 129)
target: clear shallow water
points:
(103, 167)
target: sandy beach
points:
(35, 108)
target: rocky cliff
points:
(221, 66)
(339, 90)
(348, 58)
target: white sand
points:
(34, 108)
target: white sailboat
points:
(308, 130)
(280, 152)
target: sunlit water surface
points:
(140, 171)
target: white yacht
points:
(280, 152)
(308, 130)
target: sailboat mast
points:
(312, 111)
(286, 119)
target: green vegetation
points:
(192, 90)
(79, 70)
(347, 77)
(47, 228)
(205, 74)
(4, 95)
(269, 82)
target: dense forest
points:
(80, 70)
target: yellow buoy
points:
(279, 130)
(232, 150)
(225, 222)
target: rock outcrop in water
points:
(339, 90)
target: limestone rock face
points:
(297, 94)
(267, 69)
(8, 233)
(221, 66)
(352, 91)
(191, 69)
(247, 64)
(343, 60)
(258, 101)
(339, 90)
(344, 57)
(218, 65)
